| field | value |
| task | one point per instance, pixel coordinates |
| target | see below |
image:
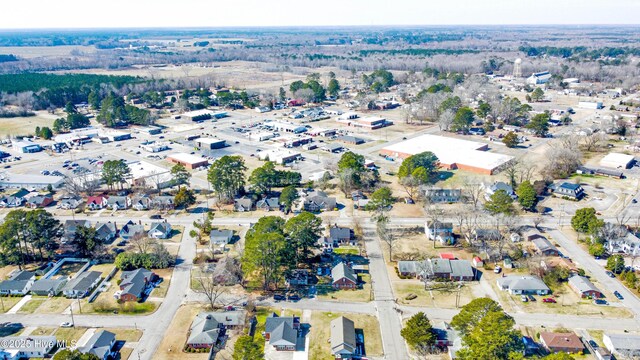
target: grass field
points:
(319, 348)
(131, 335)
(25, 125)
(445, 298)
(171, 346)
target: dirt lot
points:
(321, 330)
(173, 343)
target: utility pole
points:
(79, 306)
(73, 323)
(2, 302)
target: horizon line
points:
(237, 27)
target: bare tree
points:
(473, 190)
(142, 243)
(385, 234)
(445, 120)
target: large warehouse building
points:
(187, 160)
(617, 161)
(210, 143)
(453, 153)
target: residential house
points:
(623, 345)
(572, 191)
(162, 202)
(40, 201)
(561, 342)
(523, 285)
(82, 284)
(486, 234)
(160, 230)
(299, 277)
(584, 287)
(118, 202)
(316, 201)
(140, 203)
(544, 247)
(440, 231)
(446, 335)
(26, 347)
(243, 204)
(18, 284)
(70, 203)
(435, 195)
(100, 344)
(130, 230)
(204, 331)
(282, 332)
(218, 239)
(133, 284)
(71, 226)
(341, 236)
(48, 287)
(106, 232)
(408, 268)
(445, 269)
(325, 243)
(12, 201)
(629, 245)
(343, 277)
(207, 326)
(343, 338)
(268, 204)
(357, 195)
(97, 202)
(499, 185)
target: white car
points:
(66, 325)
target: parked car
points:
(294, 297)
(524, 298)
(279, 297)
(531, 298)
(497, 269)
(66, 325)
(593, 344)
(618, 295)
(610, 274)
(155, 217)
(600, 302)
(122, 243)
(549, 300)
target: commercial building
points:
(26, 147)
(147, 174)
(539, 78)
(593, 105)
(9, 180)
(370, 123)
(285, 127)
(617, 161)
(452, 153)
(262, 136)
(187, 160)
(279, 156)
(199, 115)
(154, 147)
(210, 143)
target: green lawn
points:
(8, 302)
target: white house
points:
(623, 345)
(160, 230)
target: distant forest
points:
(71, 82)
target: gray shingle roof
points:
(515, 282)
(283, 335)
(582, 284)
(220, 236)
(343, 335)
(99, 343)
(341, 270)
(204, 329)
(83, 282)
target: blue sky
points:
(214, 13)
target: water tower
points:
(517, 68)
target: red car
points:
(549, 300)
